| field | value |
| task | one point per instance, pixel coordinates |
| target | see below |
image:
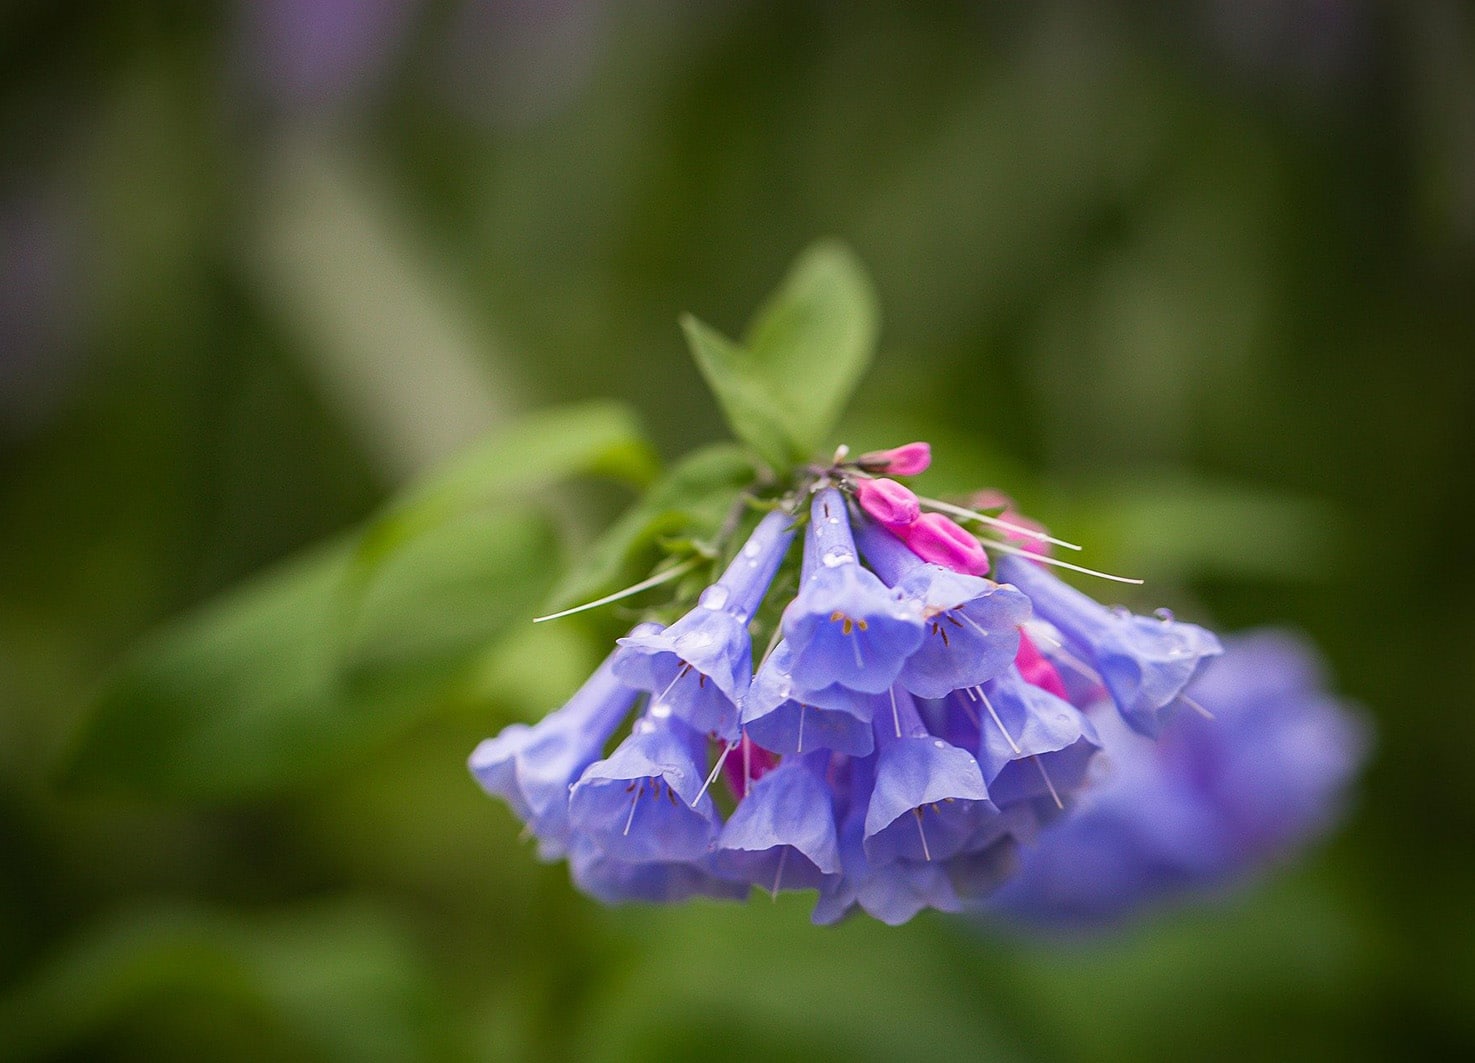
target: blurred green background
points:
(1193, 281)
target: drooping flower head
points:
(913, 733)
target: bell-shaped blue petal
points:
(1031, 743)
(531, 768)
(702, 664)
(1145, 662)
(845, 626)
(929, 796)
(784, 719)
(613, 881)
(971, 623)
(645, 803)
(893, 892)
(782, 835)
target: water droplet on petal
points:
(939, 743)
(1121, 612)
(643, 726)
(660, 709)
(1165, 615)
(751, 550)
(835, 558)
(714, 597)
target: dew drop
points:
(644, 726)
(751, 550)
(1165, 615)
(939, 743)
(660, 709)
(1121, 612)
(835, 558)
(714, 597)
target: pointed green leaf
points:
(783, 390)
(815, 339)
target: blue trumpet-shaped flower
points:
(784, 719)
(645, 803)
(971, 623)
(1212, 800)
(702, 664)
(928, 797)
(783, 835)
(1031, 743)
(531, 768)
(845, 626)
(892, 892)
(1144, 662)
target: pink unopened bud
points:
(905, 460)
(940, 540)
(887, 502)
(1036, 669)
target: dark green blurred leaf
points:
(783, 390)
(690, 500)
(814, 340)
(340, 981)
(272, 683)
(596, 438)
(437, 604)
(300, 669)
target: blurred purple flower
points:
(1208, 803)
(309, 56)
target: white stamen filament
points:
(1048, 784)
(639, 789)
(1005, 548)
(926, 852)
(779, 874)
(644, 585)
(716, 769)
(1002, 730)
(1196, 707)
(984, 518)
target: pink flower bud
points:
(1036, 669)
(905, 460)
(938, 539)
(887, 502)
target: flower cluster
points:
(1210, 802)
(911, 724)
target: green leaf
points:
(596, 438)
(784, 389)
(301, 669)
(285, 678)
(815, 339)
(339, 981)
(750, 406)
(690, 501)
(437, 604)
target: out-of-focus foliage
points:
(1190, 281)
